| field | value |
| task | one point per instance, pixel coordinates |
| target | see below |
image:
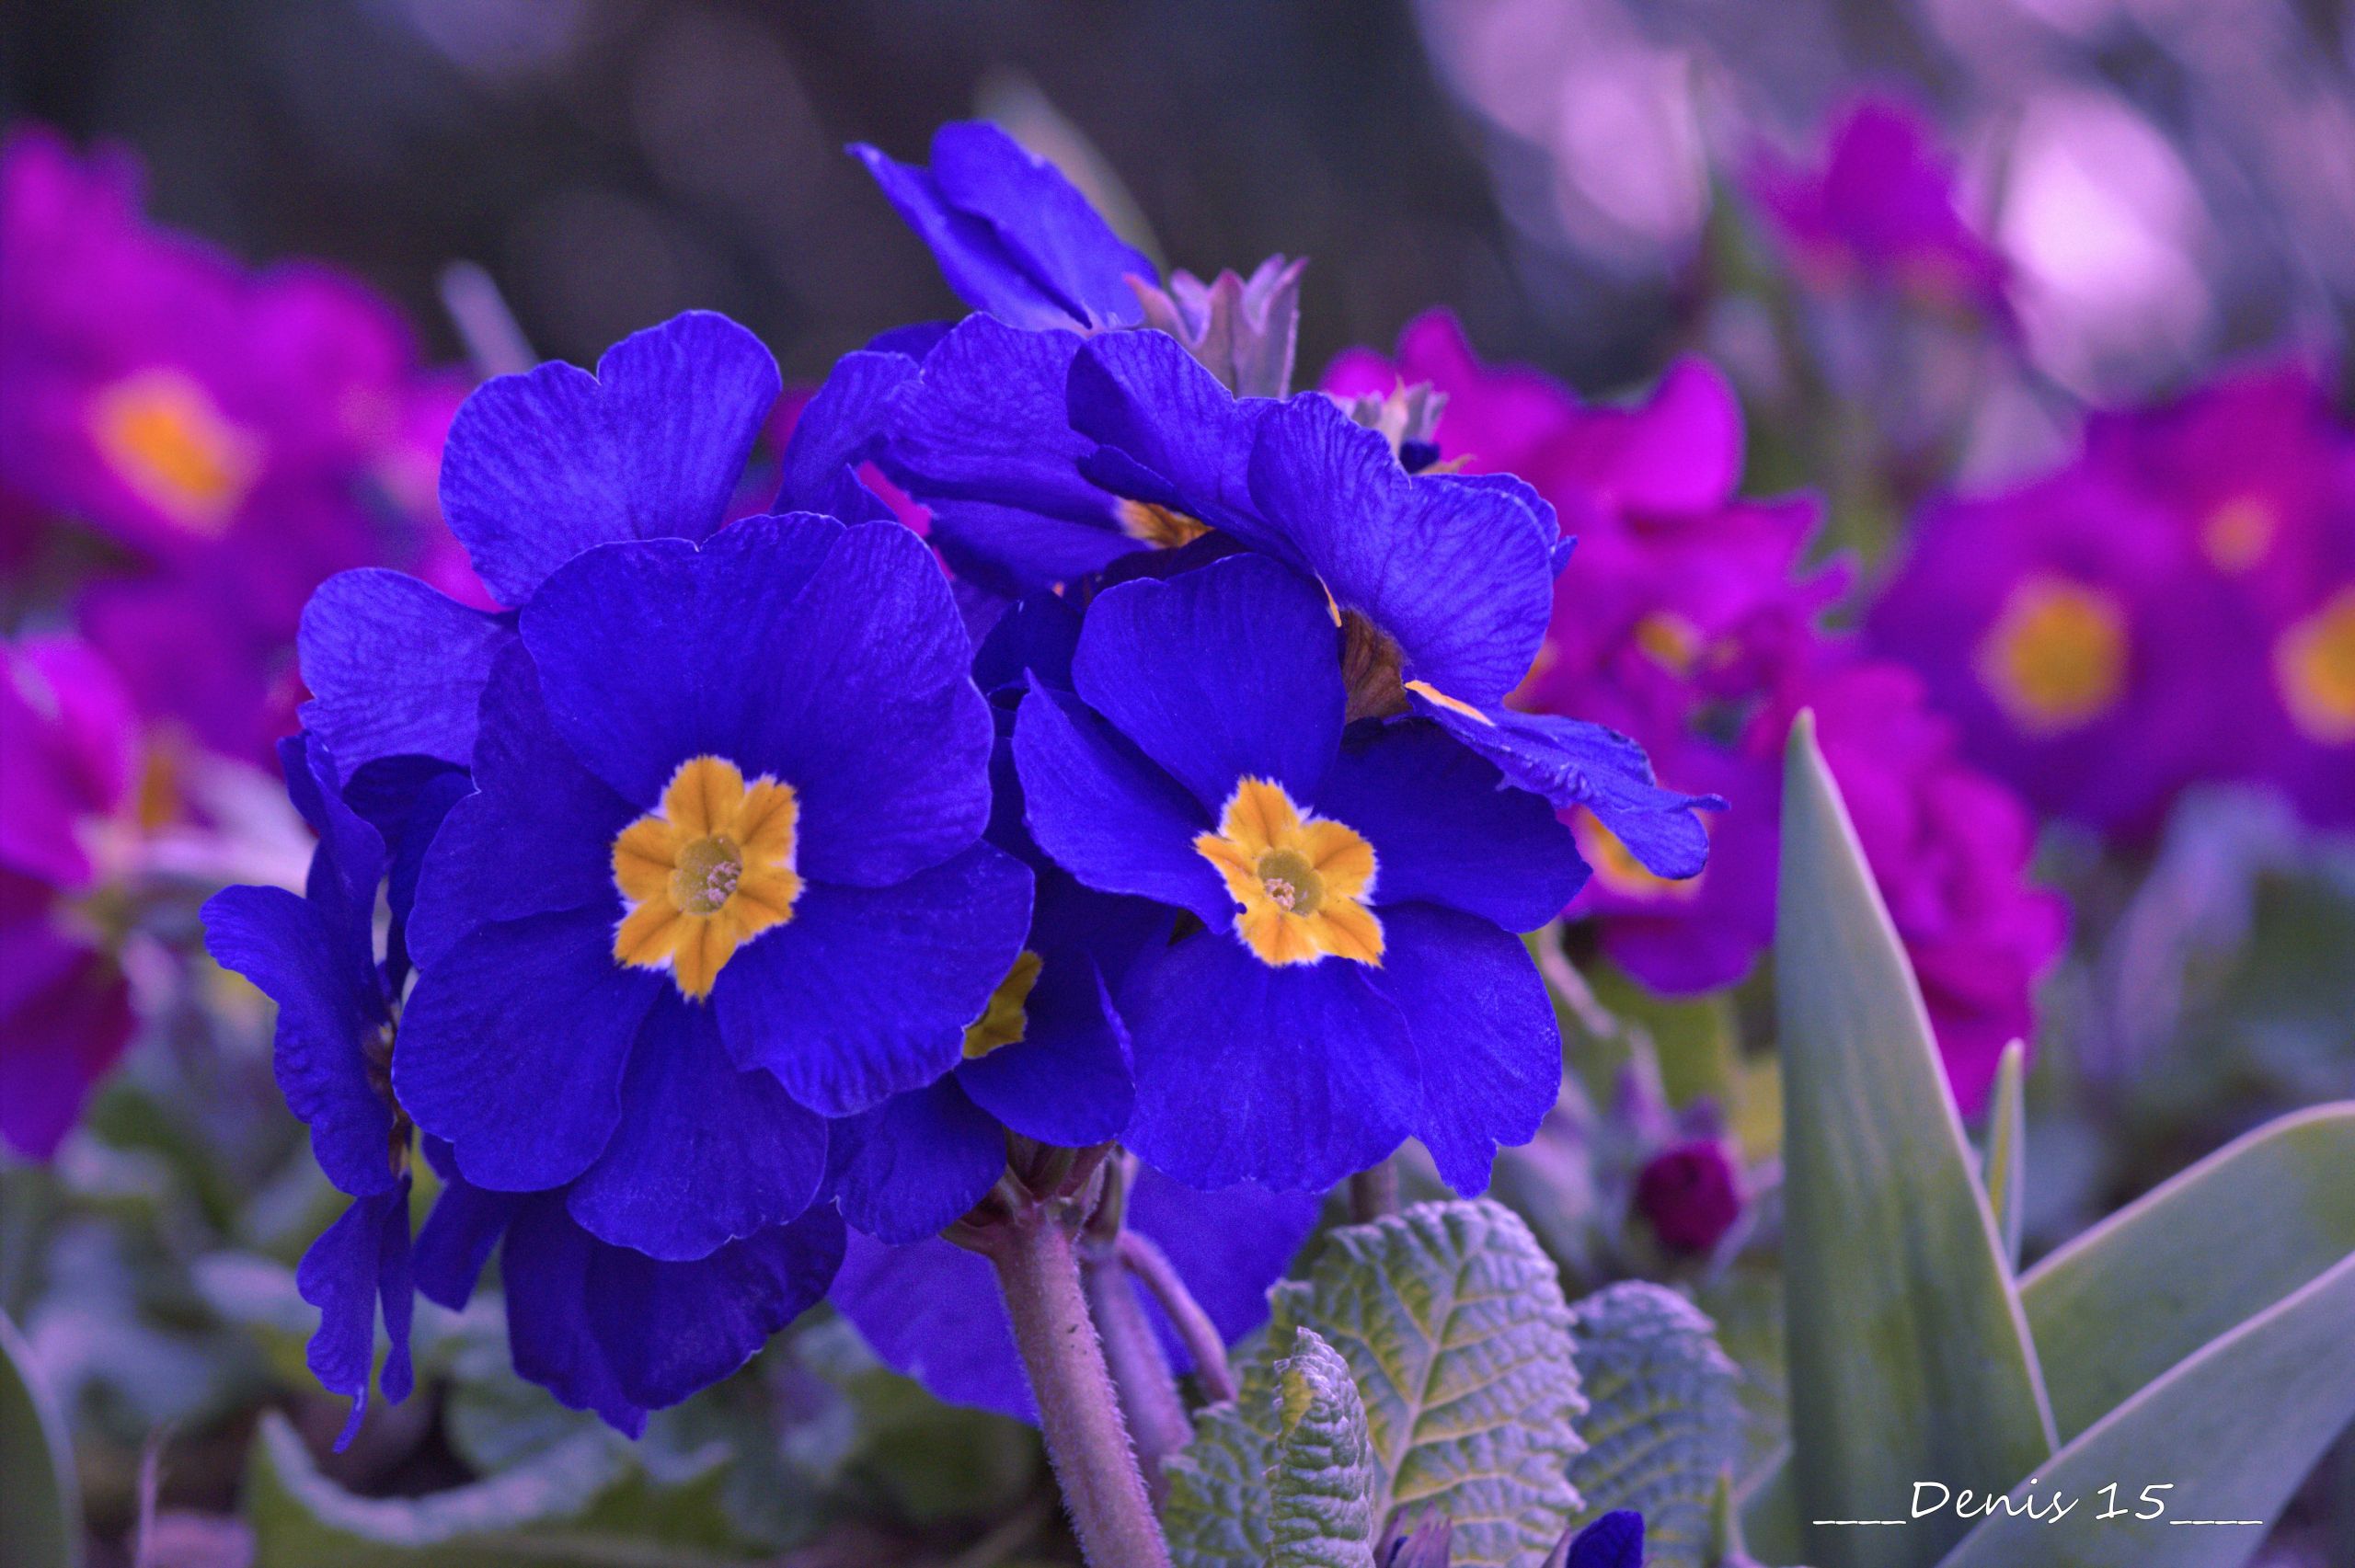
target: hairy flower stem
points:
(1037, 1259)
(1374, 1193)
(1148, 1388)
(1204, 1343)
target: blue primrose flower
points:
(1348, 976)
(1012, 236)
(721, 880)
(922, 1308)
(315, 955)
(543, 465)
(1615, 1541)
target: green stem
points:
(1152, 1268)
(1038, 1271)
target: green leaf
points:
(2229, 1236)
(1661, 1426)
(1910, 1355)
(1320, 1486)
(2232, 1431)
(40, 1514)
(1453, 1325)
(2006, 1167)
(1215, 1513)
(579, 1505)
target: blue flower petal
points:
(1012, 236)
(837, 431)
(1169, 433)
(866, 991)
(457, 1237)
(669, 1330)
(537, 835)
(705, 1153)
(1229, 1247)
(931, 1311)
(1615, 1541)
(1110, 817)
(545, 1267)
(1486, 1043)
(348, 863)
(544, 465)
(1573, 763)
(280, 943)
(1229, 671)
(1446, 827)
(396, 668)
(911, 1166)
(829, 658)
(1457, 574)
(361, 1257)
(1013, 552)
(514, 1044)
(1034, 640)
(1289, 1077)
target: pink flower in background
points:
(1879, 210)
(1690, 1193)
(1688, 618)
(68, 758)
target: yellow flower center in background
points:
(1299, 878)
(709, 871)
(1672, 642)
(2055, 659)
(2315, 662)
(1616, 867)
(2237, 535)
(169, 442)
(1002, 1023)
(1159, 526)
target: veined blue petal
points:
(911, 1166)
(396, 668)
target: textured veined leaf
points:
(1453, 1325)
(1661, 1426)
(2228, 1435)
(40, 1516)
(1215, 1512)
(1909, 1355)
(1320, 1483)
(2231, 1236)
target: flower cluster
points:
(1688, 622)
(2174, 604)
(759, 874)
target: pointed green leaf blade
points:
(1661, 1426)
(1910, 1356)
(1453, 1325)
(2229, 1236)
(2232, 1432)
(40, 1512)
(2007, 1150)
(1320, 1486)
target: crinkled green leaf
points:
(578, 1504)
(1320, 1482)
(40, 1514)
(1910, 1355)
(1454, 1328)
(1661, 1427)
(2152, 1283)
(2235, 1429)
(1215, 1513)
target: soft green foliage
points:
(1452, 1325)
(2236, 1428)
(2233, 1235)
(39, 1511)
(580, 1502)
(1910, 1355)
(2007, 1166)
(1320, 1486)
(1661, 1427)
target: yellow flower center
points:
(1002, 1023)
(1159, 526)
(2055, 659)
(1616, 867)
(168, 441)
(1299, 878)
(2315, 662)
(1672, 642)
(2238, 534)
(707, 872)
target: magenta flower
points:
(65, 769)
(1691, 1194)
(1879, 212)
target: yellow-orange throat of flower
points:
(1299, 878)
(163, 434)
(2055, 658)
(707, 872)
(2315, 662)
